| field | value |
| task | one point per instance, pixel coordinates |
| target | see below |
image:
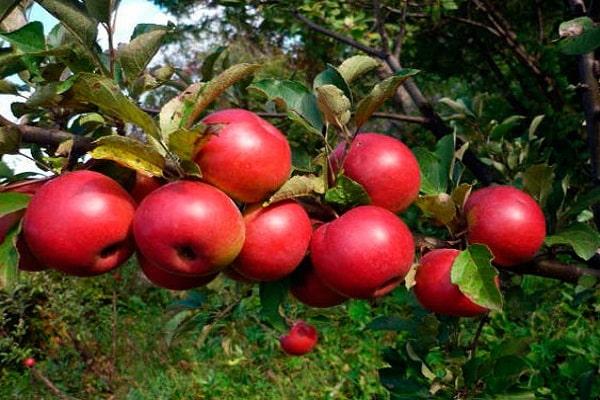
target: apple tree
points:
(302, 183)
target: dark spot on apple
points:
(111, 249)
(186, 252)
(387, 286)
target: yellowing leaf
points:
(298, 186)
(131, 153)
(440, 207)
(334, 105)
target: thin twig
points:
(473, 346)
(382, 115)
(51, 386)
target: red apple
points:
(365, 253)
(29, 362)
(307, 287)
(143, 186)
(189, 228)
(384, 166)
(80, 223)
(247, 157)
(301, 339)
(277, 238)
(436, 292)
(508, 221)
(167, 280)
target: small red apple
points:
(277, 238)
(508, 221)
(189, 228)
(80, 223)
(384, 166)
(307, 287)
(301, 339)
(365, 253)
(167, 280)
(143, 186)
(435, 290)
(29, 362)
(247, 157)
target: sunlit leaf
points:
(130, 153)
(294, 96)
(583, 239)
(356, 66)
(379, 94)
(298, 186)
(475, 276)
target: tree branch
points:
(47, 136)
(434, 122)
(383, 115)
(590, 98)
(340, 38)
(546, 83)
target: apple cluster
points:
(505, 219)
(186, 232)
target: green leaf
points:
(440, 207)
(379, 94)
(171, 114)
(10, 140)
(174, 326)
(533, 127)
(333, 104)
(272, 295)
(475, 276)
(100, 9)
(208, 65)
(394, 380)
(135, 56)
(9, 258)
(298, 186)
(499, 131)
(140, 29)
(392, 324)
(356, 66)
(538, 181)
(102, 92)
(74, 18)
(433, 172)
(28, 39)
(331, 76)
(13, 201)
(129, 152)
(298, 100)
(347, 193)
(583, 239)
(578, 36)
(186, 143)
(458, 106)
(216, 86)
(584, 201)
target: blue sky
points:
(131, 13)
